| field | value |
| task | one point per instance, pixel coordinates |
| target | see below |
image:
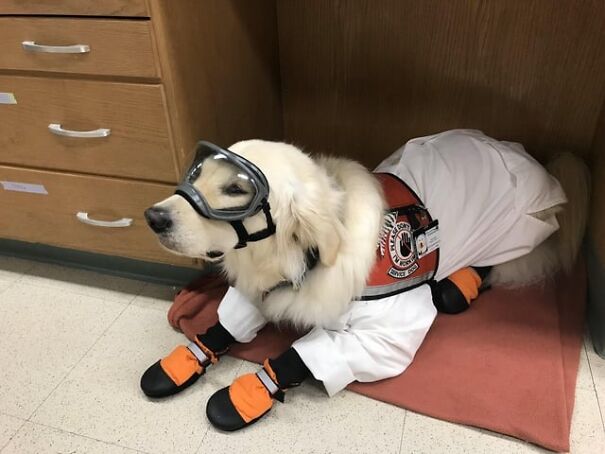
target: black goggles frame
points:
(255, 176)
(235, 216)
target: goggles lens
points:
(222, 183)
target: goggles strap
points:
(242, 234)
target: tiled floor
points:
(74, 344)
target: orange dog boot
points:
(247, 400)
(177, 371)
(455, 293)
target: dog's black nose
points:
(158, 219)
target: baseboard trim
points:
(596, 297)
(107, 264)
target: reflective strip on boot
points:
(199, 353)
(263, 376)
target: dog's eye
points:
(234, 189)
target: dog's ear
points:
(328, 239)
(313, 223)
(322, 232)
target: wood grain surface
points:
(361, 77)
(117, 47)
(220, 64)
(51, 219)
(127, 8)
(597, 212)
(139, 144)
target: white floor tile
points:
(311, 422)
(597, 368)
(592, 355)
(584, 380)
(158, 297)
(50, 316)
(45, 332)
(12, 268)
(83, 282)
(101, 398)
(4, 284)
(428, 435)
(593, 358)
(8, 427)
(587, 433)
(36, 439)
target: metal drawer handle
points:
(83, 217)
(60, 131)
(42, 48)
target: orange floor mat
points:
(508, 364)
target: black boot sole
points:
(222, 414)
(156, 384)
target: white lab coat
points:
(482, 191)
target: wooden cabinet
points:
(102, 101)
(127, 8)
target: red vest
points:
(407, 254)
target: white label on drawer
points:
(24, 187)
(7, 98)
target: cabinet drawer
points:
(51, 218)
(138, 144)
(106, 47)
(126, 8)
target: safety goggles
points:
(224, 186)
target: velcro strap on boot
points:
(263, 376)
(268, 378)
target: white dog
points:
(495, 207)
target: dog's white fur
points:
(336, 205)
(560, 250)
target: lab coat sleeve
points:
(240, 316)
(379, 340)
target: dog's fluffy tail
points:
(560, 250)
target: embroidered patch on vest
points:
(402, 249)
(408, 246)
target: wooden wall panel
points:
(360, 77)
